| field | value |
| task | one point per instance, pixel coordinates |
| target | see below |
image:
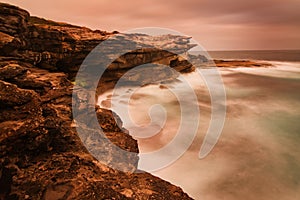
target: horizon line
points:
(253, 50)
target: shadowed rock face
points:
(41, 155)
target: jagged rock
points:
(149, 74)
(11, 70)
(41, 155)
(63, 47)
(239, 63)
(10, 95)
(13, 20)
(198, 58)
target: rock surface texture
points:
(41, 155)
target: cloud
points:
(222, 24)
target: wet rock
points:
(240, 63)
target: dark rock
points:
(11, 95)
(11, 70)
(13, 20)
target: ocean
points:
(257, 155)
(266, 55)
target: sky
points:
(215, 24)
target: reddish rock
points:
(41, 155)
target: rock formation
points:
(41, 155)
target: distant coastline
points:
(266, 55)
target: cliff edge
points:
(41, 155)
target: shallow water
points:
(257, 155)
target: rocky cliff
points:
(41, 155)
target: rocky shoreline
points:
(241, 63)
(41, 155)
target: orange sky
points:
(215, 24)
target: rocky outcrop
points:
(44, 43)
(41, 155)
(239, 63)
(62, 47)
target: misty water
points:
(257, 155)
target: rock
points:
(13, 20)
(63, 47)
(148, 74)
(5, 39)
(11, 70)
(241, 63)
(197, 58)
(11, 95)
(9, 44)
(41, 154)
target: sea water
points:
(257, 155)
